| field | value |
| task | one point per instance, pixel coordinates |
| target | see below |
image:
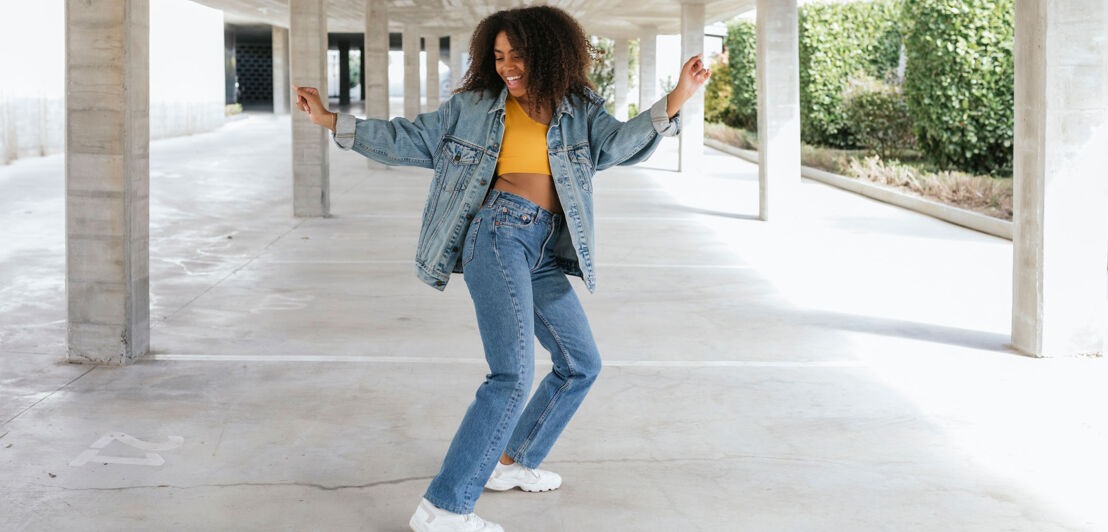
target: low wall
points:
(972, 220)
(186, 76)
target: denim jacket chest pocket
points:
(457, 163)
(580, 161)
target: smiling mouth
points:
(512, 81)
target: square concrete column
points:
(107, 171)
(410, 43)
(778, 67)
(620, 78)
(311, 162)
(281, 90)
(344, 72)
(7, 132)
(376, 59)
(431, 43)
(361, 70)
(648, 61)
(1060, 235)
(691, 153)
(459, 52)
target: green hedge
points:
(879, 115)
(742, 54)
(717, 94)
(960, 81)
(837, 41)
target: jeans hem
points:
(447, 507)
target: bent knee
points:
(510, 381)
(588, 373)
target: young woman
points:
(514, 151)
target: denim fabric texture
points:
(520, 293)
(461, 142)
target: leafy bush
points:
(960, 81)
(717, 93)
(878, 114)
(837, 40)
(602, 71)
(742, 54)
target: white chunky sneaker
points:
(506, 477)
(430, 518)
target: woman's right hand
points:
(308, 100)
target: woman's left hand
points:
(693, 76)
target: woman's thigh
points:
(561, 324)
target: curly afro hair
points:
(556, 54)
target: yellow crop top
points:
(523, 148)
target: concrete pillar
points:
(648, 60)
(778, 67)
(1060, 235)
(281, 90)
(459, 55)
(431, 43)
(410, 44)
(376, 59)
(7, 132)
(344, 72)
(620, 78)
(107, 170)
(691, 153)
(310, 159)
(361, 70)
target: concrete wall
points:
(186, 74)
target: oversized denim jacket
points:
(461, 142)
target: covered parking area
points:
(780, 355)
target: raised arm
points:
(614, 142)
(694, 74)
(396, 142)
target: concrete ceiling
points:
(608, 18)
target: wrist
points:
(673, 103)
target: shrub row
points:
(957, 97)
(960, 82)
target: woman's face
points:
(509, 64)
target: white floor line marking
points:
(92, 454)
(384, 359)
(601, 264)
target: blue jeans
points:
(519, 294)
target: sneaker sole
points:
(496, 486)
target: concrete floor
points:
(848, 371)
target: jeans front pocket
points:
(513, 217)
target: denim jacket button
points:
(469, 217)
(483, 181)
(454, 249)
(438, 283)
(457, 158)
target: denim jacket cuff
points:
(344, 131)
(663, 124)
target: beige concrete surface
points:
(849, 371)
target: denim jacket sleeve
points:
(614, 142)
(398, 142)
